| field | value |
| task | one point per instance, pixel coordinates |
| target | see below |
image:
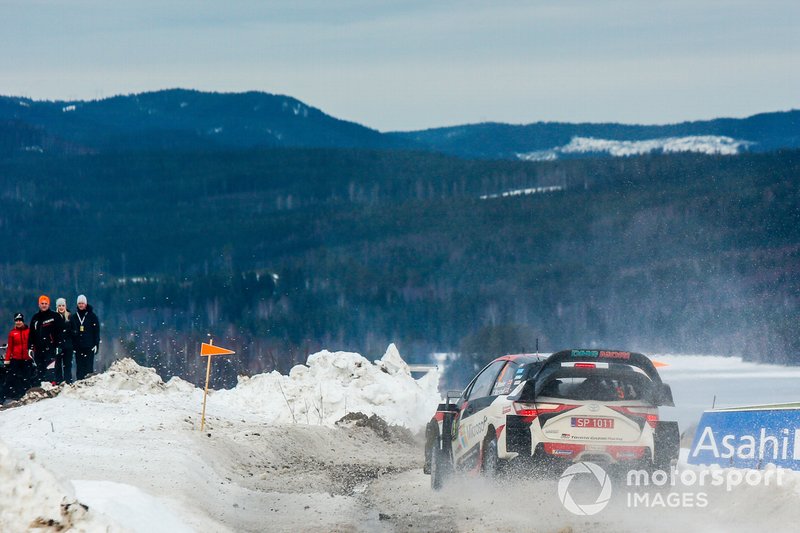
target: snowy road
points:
(129, 447)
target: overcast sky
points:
(413, 64)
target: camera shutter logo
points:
(586, 509)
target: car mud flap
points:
(667, 444)
(518, 435)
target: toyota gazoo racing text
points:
(539, 411)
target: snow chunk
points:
(392, 363)
(34, 500)
(67, 109)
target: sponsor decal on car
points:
(601, 353)
(615, 355)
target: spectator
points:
(64, 361)
(45, 338)
(85, 329)
(19, 363)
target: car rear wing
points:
(582, 362)
(606, 356)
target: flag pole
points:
(205, 394)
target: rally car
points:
(543, 411)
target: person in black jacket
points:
(85, 329)
(64, 361)
(45, 338)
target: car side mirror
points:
(456, 395)
(664, 395)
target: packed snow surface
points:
(704, 144)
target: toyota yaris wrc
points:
(540, 411)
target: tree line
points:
(279, 253)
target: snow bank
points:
(331, 385)
(124, 379)
(32, 499)
(129, 505)
(336, 383)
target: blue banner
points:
(748, 438)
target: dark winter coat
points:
(18, 344)
(67, 344)
(46, 332)
(89, 337)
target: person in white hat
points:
(85, 329)
(64, 359)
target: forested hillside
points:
(279, 252)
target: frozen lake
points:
(696, 380)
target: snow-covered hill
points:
(704, 144)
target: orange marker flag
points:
(207, 350)
(210, 349)
(659, 364)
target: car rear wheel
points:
(490, 464)
(441, 466)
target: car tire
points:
(431, 441)
(441, 466)
(490, 463)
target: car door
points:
(473, 421)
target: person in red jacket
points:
(19, 363)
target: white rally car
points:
(540, 411)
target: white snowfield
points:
(128, 446)
(703, 144)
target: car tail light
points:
(650, 418)
(529, 411)
(584, 365)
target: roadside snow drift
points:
(334, 384)
(32, 499)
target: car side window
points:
(485, 380)
(505, 379)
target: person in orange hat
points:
(45, 339)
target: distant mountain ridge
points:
(193, 120)
(188, 119)
(762, 133)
